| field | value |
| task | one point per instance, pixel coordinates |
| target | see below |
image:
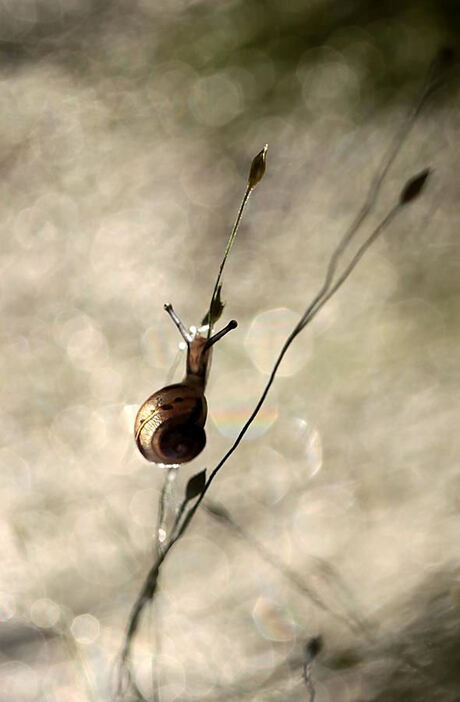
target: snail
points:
(169, 426)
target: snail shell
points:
(169, 426)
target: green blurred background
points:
(127, 132)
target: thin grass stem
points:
(228, 248)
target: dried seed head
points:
(312, 647)
(414, 187)
(215, 311)
(257, 170)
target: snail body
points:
(169, 426)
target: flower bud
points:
(257, 170)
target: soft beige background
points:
(127, 132)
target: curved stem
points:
(228, 248)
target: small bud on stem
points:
(414, 187)
(195, 485)
(257, 169)
(312, 647)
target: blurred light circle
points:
(269, 476)
(142, 507)
(208, 178)
(80, 335)
(233, 397)
(171, 679)
(44, 613)
(99, 562)
(216, 100)
(15, 470)
(273, 621)
(324, 520)
(265, 338)
(7, 606)
(85, 629)
(66, 692)
(128, 416)
(19, 682)
(300, 441)
(106, 383)
(328, 81)
(212, 560)
(22, 10)
(159, 347)
(87, 345)
(235, 660)
(72, 423)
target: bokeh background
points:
(127, 130)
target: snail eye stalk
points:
(179, 324)
(231, 325)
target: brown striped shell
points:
(169, 426)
